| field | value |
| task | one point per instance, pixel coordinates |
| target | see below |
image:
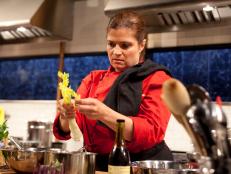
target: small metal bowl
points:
(160, 167)
(154, 167)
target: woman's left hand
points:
(95, 109)
(92, 108)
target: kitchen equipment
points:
(15, 143)
(206, 165)
(40, 132)
(211, 121)
(177, 99)
(28, 143)
(229, 135)
(197, 115)
(35, 20)
(58, 145)
(174, 15)
(40, 160)
(161, 167)
(197, 93)
(219, 113)
(25, 160)
(71, 162)
(212, 128)
(205, 123)
(176, 96)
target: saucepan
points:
(161, 167)
(80, 162)
(40, 132)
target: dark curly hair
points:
(131, 20)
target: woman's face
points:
(123, 48)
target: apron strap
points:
(158, 152)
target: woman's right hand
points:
(66, 112)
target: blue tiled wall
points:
(28, 78)
(209, 68)
(36, 78)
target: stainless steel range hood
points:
(176, 15)
(33, 20)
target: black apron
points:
(158, 152)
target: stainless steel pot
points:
(44, 161)
(40, 132)
(161, 167)
(71, 162)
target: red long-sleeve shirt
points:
(149, 124)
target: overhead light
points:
(6, 35)
(25, 31)
(22, 29)
(175, 28)
(208, 8)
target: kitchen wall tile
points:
(219, 60)
(195, 60)
(219, 84)
(28, 78)
(199, 77)
(195, 68)
(172, 60)
(36, 78)
(80, 66)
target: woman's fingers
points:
(91, 107)
(86, 108)
(86, 105)
(66, 110)
(86, 101)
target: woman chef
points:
(129, 89)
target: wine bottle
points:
(119, 158)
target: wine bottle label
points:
(118, 169)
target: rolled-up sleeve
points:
(83, 91)
(151, 122)
(58, 132)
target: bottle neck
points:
(119, 140)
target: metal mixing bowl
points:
(45, 160)
(25, 160)
(160, 167)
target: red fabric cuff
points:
(58, 132)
